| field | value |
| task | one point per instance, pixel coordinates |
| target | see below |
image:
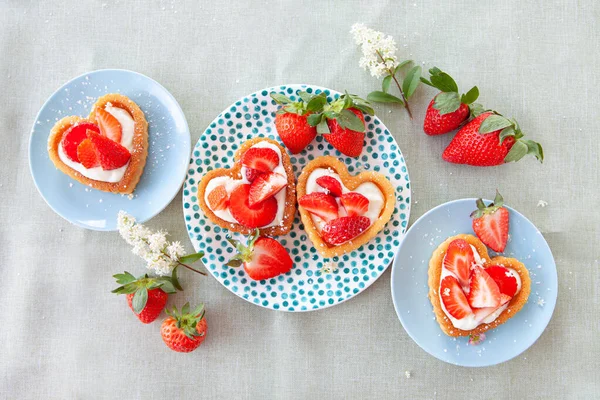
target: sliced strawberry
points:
(110, 154)
(332, 185)
(482, 313)
(252, 174)
(74, 136)
(269, 259)
(257, 216)
(343, 229)
(458, 259)
(484, 292)
(453, 298)
(265, 186)
(506, 282)
(320, 204)
(354, 203)
(260, 158)
(490, 223)
(218, 198)
(109, 125)
(87, 155)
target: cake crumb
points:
(407, 374)
(542, 203)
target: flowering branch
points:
(160, 255)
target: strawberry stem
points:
(391, 72)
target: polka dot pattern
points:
(307, 286)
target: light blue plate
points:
(306, 287)
(168, 153)
(409, 287)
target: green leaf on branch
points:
(494, 123)
(381, 97)
(347, 119)
(385, 85)
(428, 83)
(411, 81)
(190, 258)
(140, 298)
(447, 102)
(175, 279)
(470, 96)
(402, 64)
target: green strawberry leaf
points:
(411, 81)
(191, 258)
(316, 103)
(234, 263)
(322, 127)
(347, 119)
(447, 102)
(381, 97)
(140, 298)
(506, 132)
(314, 119)
(385, 84)
(280, 99)
(168, 287)
(124, 278)
(362, 105)
(534, 148)
(518, 151)
(444, 82)
(347, 101)
(476, 109)
(175, 279)
(402, 64)
(470, 96)
(494, 123)
(305, 96)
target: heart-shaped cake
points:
(341, 212)
(258, 191)
(471, 292)
(107, 150)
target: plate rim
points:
(43, 107)
(326, 306)
(395, 268)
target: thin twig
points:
(190, 268)
(397, 84)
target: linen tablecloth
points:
(63, 335)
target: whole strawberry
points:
(490, 139)
(490, 223)
(184, 330)
(146, 296)
(342, 123)
(448, 110)
(291, 119)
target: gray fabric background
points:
(63, 334)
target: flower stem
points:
(391, 72)
(191, 269)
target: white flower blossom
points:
(157, 241)
(175, 250)
(378, 49)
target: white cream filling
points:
(368, 189)
(231, 184)
(470, 321)
(97, 173)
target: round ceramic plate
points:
(307, 286)
(409, 287)
(169, 149)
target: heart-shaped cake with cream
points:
(107, 150)
(258, 191)
(471, 292)
(341, 212)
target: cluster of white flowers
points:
(160, 255)
(375, 46)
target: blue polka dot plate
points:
(313, 283)
(410, 288)
(168, 152)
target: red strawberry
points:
(453, 298)
(260, 158)
(330, 184)
(146, 296)
(320, 204)
(265, 186)
(355, 203)
(260, 215)
(347, 141)
(506, 282)
(74, 136)
(262, 257)
(183, 331)
(252, 174)
(458, 259)
(109, 125)
(343, 229)
(437, 123)
(111, 154)
(490, 223)
(481, 313)
(294, 131)
(479, 143)
(218, 198)
(483, 292)
(87, 155)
